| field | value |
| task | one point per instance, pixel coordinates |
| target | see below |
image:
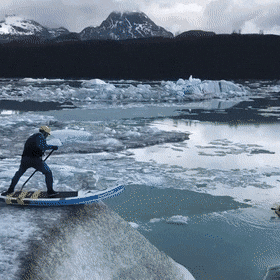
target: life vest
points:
(30, 147)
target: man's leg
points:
(43, 167)
(17, 176)
(49, 178)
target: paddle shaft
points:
(34, 172)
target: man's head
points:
(45, 130)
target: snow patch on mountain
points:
(16, 25)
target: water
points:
(199, 160)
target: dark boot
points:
(7, 192)
(52, 193)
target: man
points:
(32, 157)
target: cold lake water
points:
(199, 161)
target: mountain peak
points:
(127, 13)
(126, 25)
(133, 17)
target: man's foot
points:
(52, 193)
(6, 193)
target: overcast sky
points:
(220, 16)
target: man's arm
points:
(42, 144)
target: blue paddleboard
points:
(39, 198)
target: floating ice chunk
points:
(93, 82)
(97, 83)
(155, 220)
(144, 88)
(112, 142)
(32, 80)
(54, 142)
(131, 134)
(70, 135)
(180, 82)
(197, 89)
(134, 225)
(110, 87)
(194, 81)
(29, 80)
(179, 220)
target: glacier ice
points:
(88, 93)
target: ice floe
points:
(92, 92)
(178, 220)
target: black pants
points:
(38, 164)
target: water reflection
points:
(234, 152)
(254, 111)
(217, 145)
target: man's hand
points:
(55, 147)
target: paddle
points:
(35, 171)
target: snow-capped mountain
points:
(17, 26)
(14, 25)
(118, 26)
(121, 26)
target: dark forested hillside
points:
(215, 57)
